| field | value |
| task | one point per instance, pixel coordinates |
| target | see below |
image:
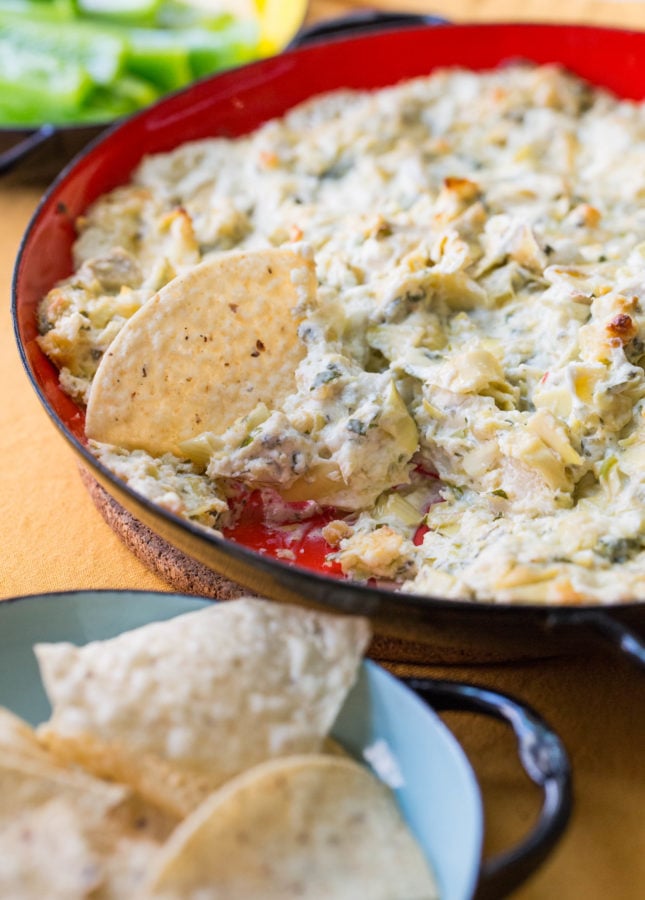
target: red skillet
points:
(235, 103)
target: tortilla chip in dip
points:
(308, 827)
(204, 351)
(202, 696)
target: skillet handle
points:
(12, 157)
(362, 22)
(603, 625)
(543, 758)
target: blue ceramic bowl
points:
(382, 719)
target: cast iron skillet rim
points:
(551, 613)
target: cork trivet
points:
(180, 572)
(188, 576)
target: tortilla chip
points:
(137, 816)
(60, 849)
(203, 352)
(26, 783)
(208, 693)
(66, 834)
(16, 736)
(125, 864)
(44, 853)
(126, 850)
(309, 827)
(170, 790)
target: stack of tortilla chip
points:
(188, 759)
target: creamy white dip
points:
(471, 400)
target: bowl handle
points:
(361, 22)
(602, 624)
(543, 758)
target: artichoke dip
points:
(470, 398)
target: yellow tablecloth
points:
(53, 538)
